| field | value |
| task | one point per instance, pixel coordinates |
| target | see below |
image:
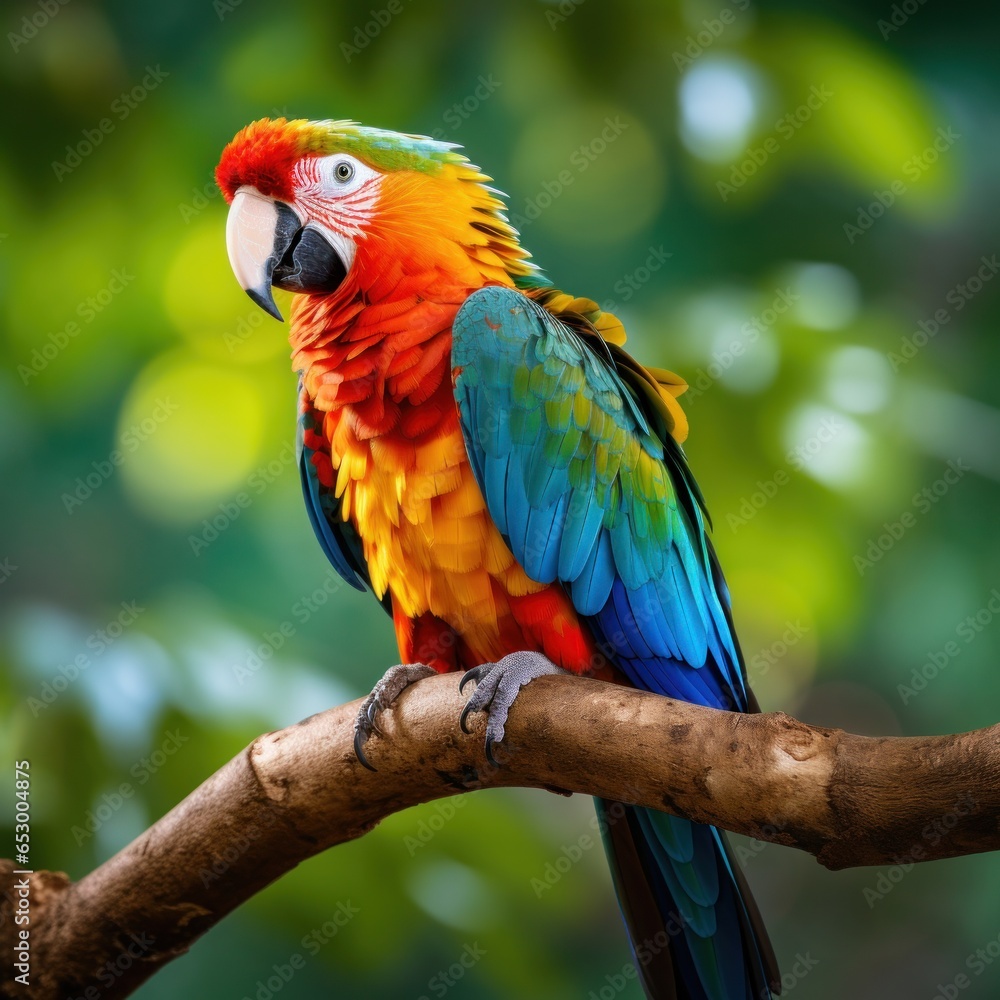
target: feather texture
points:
(478, 449)
(597, 497)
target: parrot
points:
(478, 450)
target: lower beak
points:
(269, 245)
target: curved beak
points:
(268, 244)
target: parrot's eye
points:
(336, 176)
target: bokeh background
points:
(795, 205)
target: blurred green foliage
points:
(788, 203)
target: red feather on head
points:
(262, 155)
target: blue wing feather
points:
(557, 439)
(588, 489)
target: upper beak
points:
(269, 245)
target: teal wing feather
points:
(589, 489)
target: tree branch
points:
(848, 800)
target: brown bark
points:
(848, 800)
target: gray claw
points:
(393, 683)
(497, 687)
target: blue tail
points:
(694, 928)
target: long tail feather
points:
(695, 931)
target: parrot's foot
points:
(393, 683)
(497, 685)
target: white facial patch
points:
(337, 194)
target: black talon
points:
(461, 719)
(497, 686)
(469, 675)
(360, 753)
(373, 718)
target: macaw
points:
(478, 450)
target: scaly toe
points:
(392, 684)
(487, 678)
(497, 687)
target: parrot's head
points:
(332, 207)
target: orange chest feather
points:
(399, 468)
(427, 536)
